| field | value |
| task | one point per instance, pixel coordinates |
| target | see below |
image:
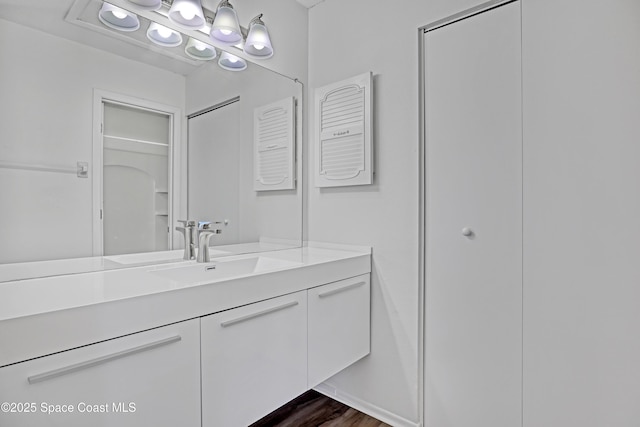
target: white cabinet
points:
(254, 359)
(473, 310)
(339, 326)
(150, 378)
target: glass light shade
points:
(225, 28)
(258, 43)
(198, 50)
(147, 4)
(187, 14)
(231, 62)
(118, 19)
(163, 36)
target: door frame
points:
(174, 161)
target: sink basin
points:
(146, 257)
(214, 271)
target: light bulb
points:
(199, 45)
(119, 13)
(233, 59)
(188, 13)
(226, 32)
(259, 46)
(164, 32)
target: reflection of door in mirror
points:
(135, 179)
(214, 173)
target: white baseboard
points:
(366, 407)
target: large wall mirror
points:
(107, 141)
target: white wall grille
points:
(274, 146)
(343, 139)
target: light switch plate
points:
(83, 169)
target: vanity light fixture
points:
(231, 62)
(198, 50)
(225, 28)
(163, 36)
(147, 4)
(258, 43)
(187, 14)
(222, 27)
(118, 19)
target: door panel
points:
(474, 221)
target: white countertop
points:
(34, 269)
(45, 315)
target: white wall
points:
(46, 119)
(345, 39)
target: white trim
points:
(375, 411)
(484, 7)
(140, 141)
(40, 168)
(175, 156)
(422, 225)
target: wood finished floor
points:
(313, 409)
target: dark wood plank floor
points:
(313, 409)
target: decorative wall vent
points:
(274, 146)
(343, 149)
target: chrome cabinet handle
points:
(341, 289)
(100, 360)
(257, 314)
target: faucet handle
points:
(207, 225)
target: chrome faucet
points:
(205, 231)
(190, 232)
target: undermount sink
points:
(213, 271)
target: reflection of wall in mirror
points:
(273, 214)
(47, 120)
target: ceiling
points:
(309, 3)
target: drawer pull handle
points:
(257, 314)
(100, 360)
(338, 290)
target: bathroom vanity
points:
(185, 343)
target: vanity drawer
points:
(254, 359)
(339, 326)
(150, 378)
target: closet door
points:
(473, 305)
(582, 211)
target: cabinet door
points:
(254, 359)
(147, 379)
(473, 307)
(339, 326)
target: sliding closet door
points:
(582, 213)
(473, 165)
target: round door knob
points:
(467, 232)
